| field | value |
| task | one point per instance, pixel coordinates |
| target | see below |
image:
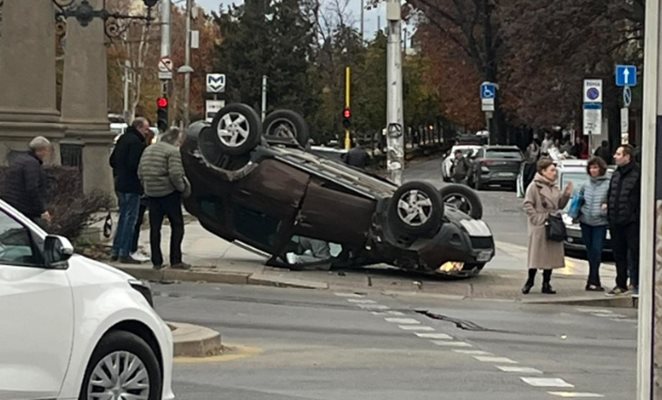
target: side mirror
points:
(57, 250)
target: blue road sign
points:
(487, 90)
(626, 75)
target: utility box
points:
(393, 12)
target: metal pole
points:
(165, 42)
(348, 79)
(649, 329)
(187, 62)
(362, 20)
(264, 97)
(394, 114)
(125, 111)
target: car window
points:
(504, 153)
(16, 246)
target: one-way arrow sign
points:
(215, 83)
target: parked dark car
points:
(496, 165)
(249, 188)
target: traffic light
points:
(162, 113)
(346, 117)
(150, 3)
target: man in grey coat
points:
(162, 176)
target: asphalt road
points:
(502, 209)
(306, 344)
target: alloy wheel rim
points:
(460, 202)
(414, 207)
(282, 128)
(233, 129)
(119, 376)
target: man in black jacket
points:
(623, 213)
(124, 160)
(25, 185)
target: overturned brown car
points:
(261, 188)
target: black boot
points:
(529, 282)
(546, 285)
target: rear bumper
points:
(575, 242)
(498, 177)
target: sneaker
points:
(114, 257)
(634, 292)
(616, 291)
(139, 256)
(181, 265)
(158, 267)
(128, 260)
(594, 288)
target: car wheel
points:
(464, 199)
(286, 125)
(416, 209)
(122, 366)
(237, 129)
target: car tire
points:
(237, 129)
(465, 199)
(113, 347)
(283, 125)
(425, 218)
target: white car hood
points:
(87, 269)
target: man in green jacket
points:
(163, 178)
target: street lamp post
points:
(186, 69)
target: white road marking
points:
(446, 343)
(416, 328)
(349, 295)
(594, 310)
(547, 382)
(520, 370)
(382, 313)
(440, 336)
(372, 306)
(576, 395)
(608, 315)
(498, 360)
(474, 352)
(404, 321)
(361, 301)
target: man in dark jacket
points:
(461, 168)
(356, 156)
(124, 160)
(623, 214)
(25, 185)
(604, 153)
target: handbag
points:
(555, 228)
(575, 205)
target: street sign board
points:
(215, 83)
(165, 68)
(625, 121)
(592, 121)
(592, 90)
(212, 107)
(626, 75)
(488, 90)
(487, 104)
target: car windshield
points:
(511, 154)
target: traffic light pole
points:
(165, 49)
(348, 71)
(395, 159)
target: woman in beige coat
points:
(543, 197)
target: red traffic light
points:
(347, 113)
(162, 102)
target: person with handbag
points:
(593, 218)
(543, 204)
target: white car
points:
(73, 328)
(447, 163)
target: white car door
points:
(36, 311)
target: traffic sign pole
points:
(348, 72)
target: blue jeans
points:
(129, 205)
(594, 239)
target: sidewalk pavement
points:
(215, 260)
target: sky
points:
(371, 17)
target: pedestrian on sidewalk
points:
(25, 183)
(162, 175)
(604, 152)
(544, 198)
(356, 156)
(136, 254)
(623, 214)
(124, 160)
(593, 218)
(461, 168)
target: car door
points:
(36, 311)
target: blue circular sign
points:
(593, 93)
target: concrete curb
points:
(234, 278)
(195, 341)
(615, 302)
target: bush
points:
(72, 210)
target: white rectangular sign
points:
(212, 107)
(625, 120)
(195, 39)
(592, 90)
(592, 122)
(487, 104)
